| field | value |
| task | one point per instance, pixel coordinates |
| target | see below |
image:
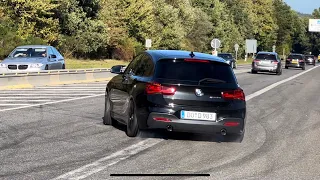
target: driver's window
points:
(132, 67)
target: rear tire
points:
(46, 68)
(286, 67)
(63, 66)
(279, 72)
(107, 119)
(234, 65)
(304, 67)
(254, 72)
(132, 124)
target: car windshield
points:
(266, 57)
(225, 56)
(29, 52)
(185, 71)
(295, 57)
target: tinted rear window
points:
(193, 71)
(266, 57)
(310, 56)
(295, 57)
(225, 56)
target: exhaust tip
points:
(169, 128)
(223, 132)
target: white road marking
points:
(53, 90)
(126, 153)
(268, 88)
(110, 160)
(53, 102)
(32, 97)
(13, 105)
(25, 100)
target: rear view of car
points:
(310, 59)
(267, 62)
(177, 91)
(296, 61)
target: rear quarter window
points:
(180, 70)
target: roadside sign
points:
(274, 48)
(251, 46)
(215, 43)
(314, 25)
(148, 43)
(236, 47)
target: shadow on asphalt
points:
(163, 134)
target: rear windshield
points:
(225, 56)
(295, 57)
(193, 71)
(266, 57)
(310, 56)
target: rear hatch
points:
(195, 83)
(310, 58)
(266, 60)
(294, 59)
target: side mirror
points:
(116, 70)
(53, 56)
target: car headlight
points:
(2, 65)
(36, 65)
(228, 62)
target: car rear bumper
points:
(294, 65)
(310, 62)
(265, 68)
(195, 126)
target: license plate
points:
(294, 61)
(195, 115)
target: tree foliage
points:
(118, 28)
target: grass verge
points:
(242, 62)
(86, 63)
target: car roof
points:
(34, 46)
(179, 54)
(265, 52)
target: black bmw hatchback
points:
(178, 91)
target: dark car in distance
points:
(229, 58)
(310, 60)
(267, 62)
(296, 61)
(177, 91)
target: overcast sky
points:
(304, 6)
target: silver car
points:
(267, 62)
(32, 58)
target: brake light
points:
(156, 88)
(300, 60)
(231, 124)
(161, 119)
(275, 62)
(237, 94)
(196, 60)
(256, 60)
(289, 59)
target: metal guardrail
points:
(52, 72)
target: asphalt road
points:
(68, 139)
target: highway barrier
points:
(53, 77)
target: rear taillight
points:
(289, 59)
(256, 60)
(301, 60)
(237, 94)
(156, 88)
(275, 62)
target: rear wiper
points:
(211, 80)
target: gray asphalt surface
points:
(281, 140)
